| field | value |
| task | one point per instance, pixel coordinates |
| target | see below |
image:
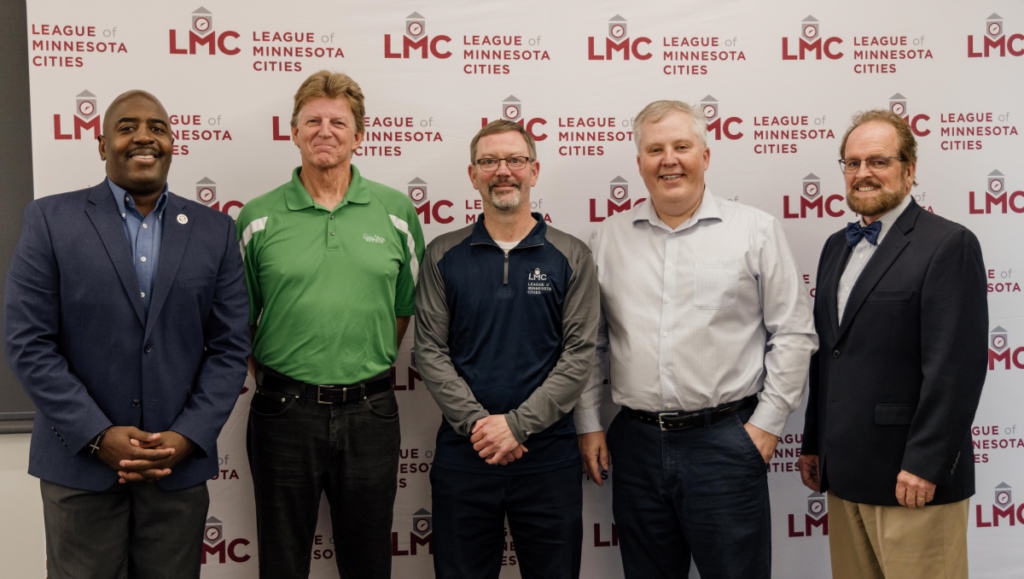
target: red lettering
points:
(278, 135)
(56, 130)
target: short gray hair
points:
(658, 110)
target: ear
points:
(358, 140)
(102, 147)
(472, 175)
(534, 173)
(295, 135)
(707, 157)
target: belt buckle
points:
(362, 392)
(661, 423)
(319, 392)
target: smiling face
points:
(137, 143)
(873, 194)
(503, 189)
(672, 161)
(325, 133)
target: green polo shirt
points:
(326, 286)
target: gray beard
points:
(509, 203)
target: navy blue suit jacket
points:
(78, 339)
(895, 386)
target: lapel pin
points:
(182, 219)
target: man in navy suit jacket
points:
(902, 316)
(126, 321)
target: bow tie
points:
(854, 233)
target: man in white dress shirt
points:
(702, 309)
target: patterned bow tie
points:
(854, 232)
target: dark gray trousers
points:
(127, 531)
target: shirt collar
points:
(708, 209)
(535, 237)
(298, 198)
(889, 218)
(121, 197)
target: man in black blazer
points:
(126, 321)
(901, 313)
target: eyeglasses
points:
(874, 164)
(513, 164)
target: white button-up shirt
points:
(861, 255)
(701, 315)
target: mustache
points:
(503, 182)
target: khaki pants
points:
(873, 542)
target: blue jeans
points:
(298, 449)
(545, 516)
(700, 492)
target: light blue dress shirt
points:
(144, 236)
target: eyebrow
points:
(136, 119)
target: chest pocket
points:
(715, 284)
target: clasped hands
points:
(494, 442)
(140, 456)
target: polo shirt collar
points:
(121, 197)
(535, 237)
(708, 209)
(297, 198)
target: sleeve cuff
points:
(587, 420)
(769, 418)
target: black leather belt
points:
(684, 420)
(277, 384)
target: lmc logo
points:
(618, 200)
(512, 110)
(214, 543)
(994, 38)
(618, 40)
(811, 41)
(812, 198)
(996, 196)
(717, 124)
(898, 105)
(418, 195)
(202, 34)
(415, 38)
(816, 516)
(999, 350)
(421, 535)
(206, 193)
(1002, 508)
(86, 117)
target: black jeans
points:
(701, 491)
(298, 449)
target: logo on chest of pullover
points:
(537, 282)
(373, 238)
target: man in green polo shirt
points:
(330, 261)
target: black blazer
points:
(895, 387)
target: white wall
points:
(22, 547)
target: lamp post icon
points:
(214, 530)
(206, 191)
(994, 26)
(1004, 494)
(422, 522)
(898, 104)
(997, 339)
(415, 25)
(816, 506)
(710, 107)
(809, 28)
(85, 105)
(511, 109)
(995, 182)
(617, 28)
(618, 189)
(418, 191)
(812, 186)
(202, 21)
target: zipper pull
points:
(506, 268)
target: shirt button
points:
(122, 215)
(664, 370)
(835, 353)
(669, 265)
(332, 217)
(125, 197)
(664, 334)
(149, 348)
(670, 405)
(136, 403)
(143, 258)
(332, 232)
(143, 294)
(144, 226)
(667, 300)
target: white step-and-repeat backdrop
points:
(778, 82)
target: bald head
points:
(116, 106)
